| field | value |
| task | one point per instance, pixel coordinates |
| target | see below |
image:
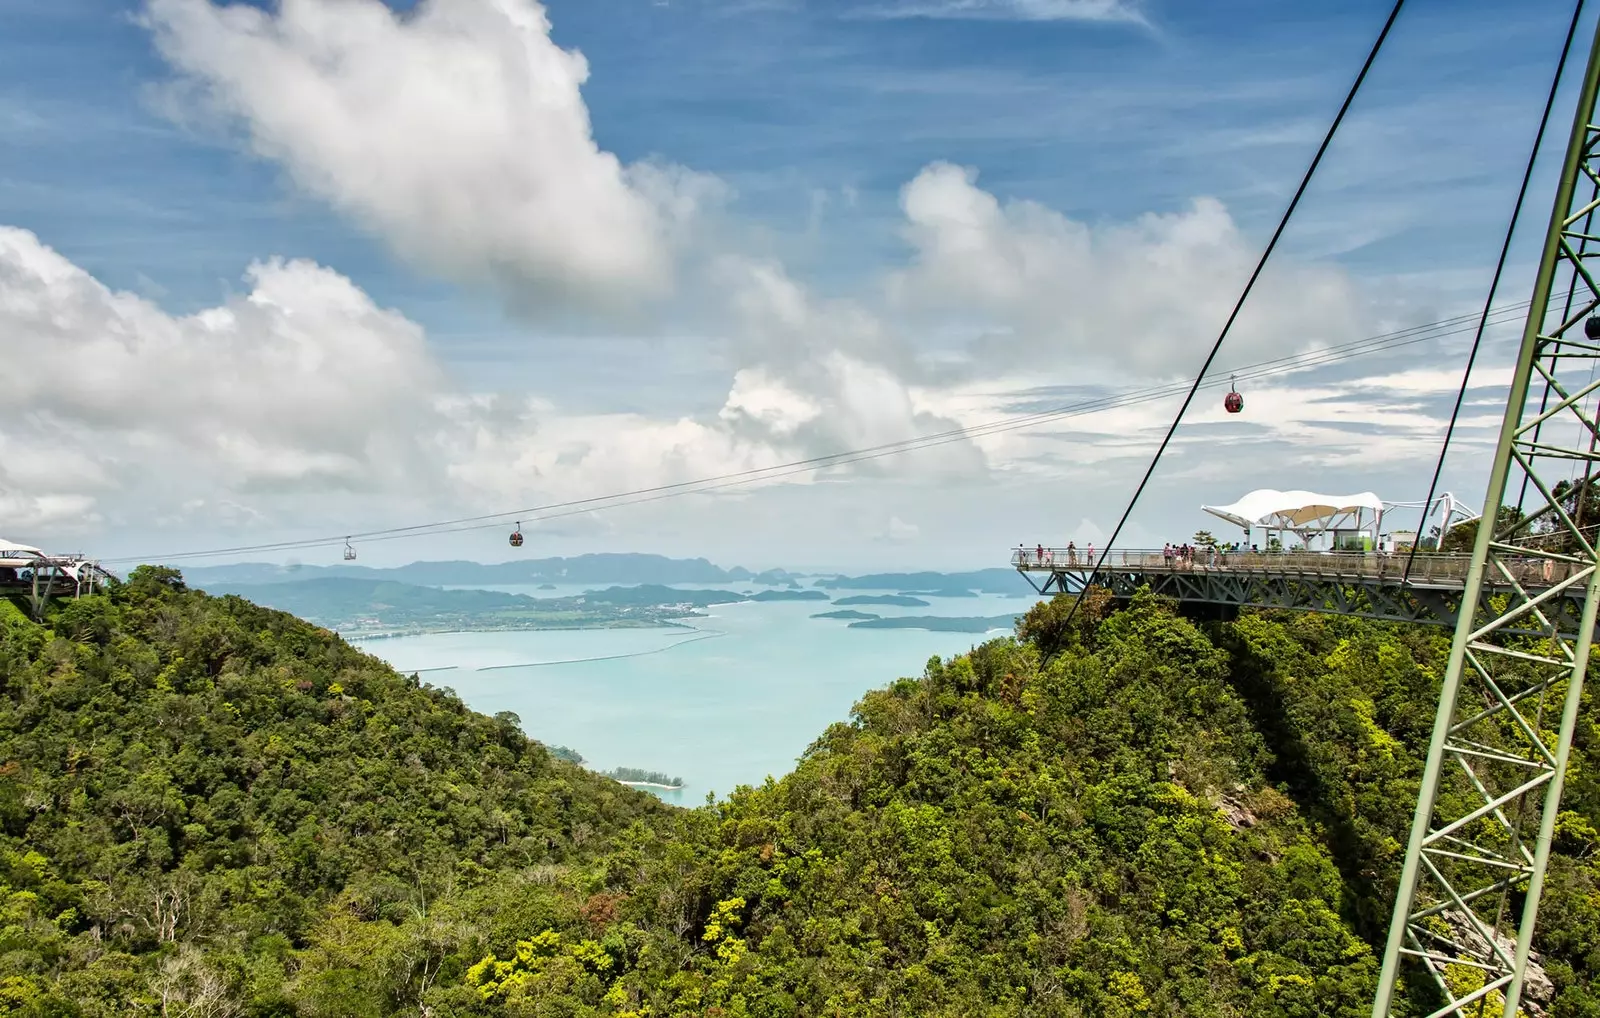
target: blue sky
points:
(811, 118)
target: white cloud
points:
(1433, 381)
(301, 407)
(301, 399)
(1014, 10)
(457, 132)
(303, 382)
(1145, 297)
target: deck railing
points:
(1427, 568)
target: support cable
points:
(1494, 286)
(1288, 364)
(1283, 223)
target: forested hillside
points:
(211, 808)
(214, 809)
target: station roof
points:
(1290, 510)
(12, 548)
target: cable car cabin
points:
(349, 552)
(1233, 402)
(516, 537)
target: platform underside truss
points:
(1380, 600)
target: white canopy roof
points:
(1289, 510)
(10, 549)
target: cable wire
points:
(1238, 306)
(1287, 364)
(1494, 286)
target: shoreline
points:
(357, 636)
(650, 784)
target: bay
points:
(734, 699)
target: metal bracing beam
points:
(1495, 768)
(1387, 600)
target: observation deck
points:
(1546, 588)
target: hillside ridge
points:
(216, 807)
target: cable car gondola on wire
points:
(516, 537)
(349, 552)
(1232, 402)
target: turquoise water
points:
(735, 699)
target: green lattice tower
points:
(1491, 789)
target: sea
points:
(732, 700)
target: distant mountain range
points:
(361, 606)
(602, 568)
(610, 569)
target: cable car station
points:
(28, 572)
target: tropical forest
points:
(211, 808)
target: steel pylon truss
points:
(1469, 892)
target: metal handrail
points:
(1426, 567)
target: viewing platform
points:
(1372, 585)
(29, 572)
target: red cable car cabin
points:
(516, 537)
(1232, 402)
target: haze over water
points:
(735, 700)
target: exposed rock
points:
(1234, 811)
(1537, 989)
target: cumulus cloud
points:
(829, 375)
(300, 402)
(457, 132)
(1132, 295)
(301, 383)
(301, 389)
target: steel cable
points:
(1283, 223)
(1494, 286)
(1288, 364)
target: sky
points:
(285, 271)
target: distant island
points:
(900, 600)
(790, 595)
(940, 624)
(622, 775)
(602, 568)
(656, 594)
(846, 614)
(366, 603)
(367, 608)
(372, 609)
(984, 581)
(651, 779)
(610, 569)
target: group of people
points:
(1180, 556)
(1042, 556)
(1185, 555)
